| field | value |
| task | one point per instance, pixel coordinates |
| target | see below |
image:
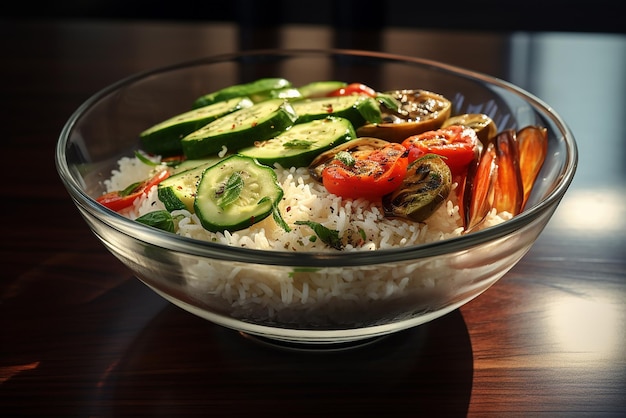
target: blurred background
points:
(366, 15)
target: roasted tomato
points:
(368, 174)
(458, 145)
(486, 129)
(354, 88)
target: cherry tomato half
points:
(119, 200)
(368, 174)
(458, 145)
(351, 89)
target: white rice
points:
(322, 297)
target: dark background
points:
(604, 16)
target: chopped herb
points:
(230, 191)
(345, 158)
(329, 237)
(160, 219)
(389, 102)
(298, 144)
(278, 217)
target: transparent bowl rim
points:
(156, 237)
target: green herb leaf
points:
(345, 158)
(298, 144)
(389, 102)
(160, 219)
(372, 114)
(231, 191)
(278, 218)
(329, 237)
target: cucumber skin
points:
(172, 199)
(214, 222)
(320, 88)
(304, 158)
(355, 113)
(204, 142)
(259, 89)
(167, 140)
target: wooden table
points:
(80, 336)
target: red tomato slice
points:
(354, 88)
(117, 201)
(457, 144)
(371, 175)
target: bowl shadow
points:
(183, 365)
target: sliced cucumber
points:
(357, 109)
(288, 93)
(257, 90)
(320, 88)
(236, 193)
(179, 191)
(164, 138)
(300, 144)
(189, 164)
(240, 129)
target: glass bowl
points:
(310, 299)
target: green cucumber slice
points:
(357, 109)
(300, 144)
(240, 129)
(189, 164)
(179, 191)
(320, 88)
(236, 193)
(257, 90)
(164, 138)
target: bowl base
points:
(309, 347)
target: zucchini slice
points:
(300, 144)
(179, 191)
(320, 88)
(357, 109)
(240, 129)
(164, 138)
(257, 90)
(236, 193)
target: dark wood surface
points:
(79, 336)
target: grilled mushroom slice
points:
(415, 111)
(426, 186)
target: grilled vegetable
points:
(482, 124)
(457, 144)
(366, 174)
(425, 187)
(418, 111)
